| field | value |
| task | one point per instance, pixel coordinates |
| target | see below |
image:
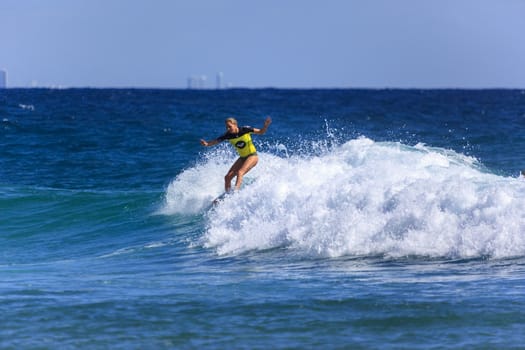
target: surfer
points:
(241, 140)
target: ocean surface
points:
(375, 219)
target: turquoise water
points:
(374, 219)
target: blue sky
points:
(264, 43)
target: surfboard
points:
(219, 199)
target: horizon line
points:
(58, 87)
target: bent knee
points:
(229, 176)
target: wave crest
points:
(360, 198)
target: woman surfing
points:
(240, 138)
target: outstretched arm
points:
(209, 143)
(267, 123)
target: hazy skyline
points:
(288, 43)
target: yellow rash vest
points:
(242, 141)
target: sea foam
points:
(359, 198)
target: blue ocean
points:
(375, 219)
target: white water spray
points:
(360, 198)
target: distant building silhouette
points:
(220, 77)
(3, 79)
(197, 82)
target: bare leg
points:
(248, 164)
(239, 169)
(232, 173)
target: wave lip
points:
(367, 198)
